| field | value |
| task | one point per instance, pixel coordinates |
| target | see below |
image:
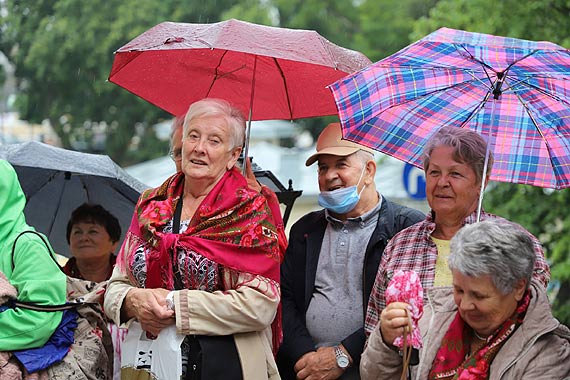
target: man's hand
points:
(148, 306)
(318, 365)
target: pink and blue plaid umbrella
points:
(514, 92)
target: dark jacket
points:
(298, 273)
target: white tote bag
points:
(159, 358)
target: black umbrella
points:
(56, 181)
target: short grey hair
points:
(363, 156)
(469, 148)
(209, 107)
(498, 248)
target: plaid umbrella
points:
(516, 93)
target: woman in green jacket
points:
(31, 271)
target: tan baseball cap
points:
(331, 142)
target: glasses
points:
(175, 154)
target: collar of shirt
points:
(363, 220)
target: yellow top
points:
(442, 272)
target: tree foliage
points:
(542, 212)
(540, 20)
(62, 51)
(387, 26)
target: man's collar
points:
(363, 219)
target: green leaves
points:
(63, 52)
(543, 213)
(538, 20)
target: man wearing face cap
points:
(331, 262)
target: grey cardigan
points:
(539, 348)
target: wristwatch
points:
(170, 300)
(341, 358)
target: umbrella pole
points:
(486, 164)
(248, 126)
(246, 144)
(483, 178)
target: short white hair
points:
(208, 107)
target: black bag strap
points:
(50, 252)
(32, 305)
(177, 216)
(176, 230)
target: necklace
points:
(479, 336)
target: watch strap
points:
(342, 359)
(170, 300)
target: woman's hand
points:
(393, 320)
(148, 306)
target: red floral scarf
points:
(453, 361)
(232, 226)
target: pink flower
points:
(156, 211)
(246, 240)
(405, 286)
(258, 230)
(479, 372)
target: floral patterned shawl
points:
(232, 226)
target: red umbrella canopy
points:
(279, 73)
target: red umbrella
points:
(274, 73)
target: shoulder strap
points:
(177, 216)
(32, 305)
(50, 252)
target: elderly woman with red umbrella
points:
(202, 253)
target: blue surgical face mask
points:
(342, 200)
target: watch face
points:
(342, 361)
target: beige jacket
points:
(539, 348)
(244, 312)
